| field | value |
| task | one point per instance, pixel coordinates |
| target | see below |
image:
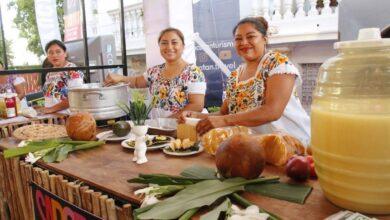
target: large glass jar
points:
(351, 124)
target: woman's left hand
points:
(48, 110)
(209, 123)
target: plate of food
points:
(183, 148)
(153, 142)
(110, 136)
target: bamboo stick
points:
(64, 184)
(37, 176)
(52, 182)
(19, 187)
(45, 179)
(69, 190)
(83, 197)
(76, 194)
(2, 191)
(88, 199)
(29, 175)
(59, 191)
(119, 213)
(7, 188)
(103, 208)
(13, 194)
(96, 203)
(127, 211)
(22, 165)
(111, 211)
(13, 190)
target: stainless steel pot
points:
(101, 102)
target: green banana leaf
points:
(199, 172)
(32, 147)
(197, 195)
(162, 179)
(214, 214)
(290, 192)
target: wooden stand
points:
(16, 199)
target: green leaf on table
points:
(63, 152)
(290, 192)
(214, 214)
(199, 172)
(32, 146)
(51, 155)
(203, 193)
(162, 179)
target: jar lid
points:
(368, 37)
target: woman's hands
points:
(209, 123)
(190, 114)
(113, 79)
(206, 123)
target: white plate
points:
(153, 147)
(165, 124)
(180, 154)
(110, 136)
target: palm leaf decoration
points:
(137, 110)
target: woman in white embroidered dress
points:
(260, 92)
(178, 85)
(55, 89)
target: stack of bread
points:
(279, 147)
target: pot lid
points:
(95, 87)
(368, 37)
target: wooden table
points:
(109, 166)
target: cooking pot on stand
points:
(101, 102)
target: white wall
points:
(160, 14)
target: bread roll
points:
(212, 139)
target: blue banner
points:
(214, 20)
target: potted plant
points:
(138, 111)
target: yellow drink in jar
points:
(352, 154)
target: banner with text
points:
(72, 20)
(47, 21)
(214, 21)
(49, 206)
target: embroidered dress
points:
(173, 93)
(249, 94)
(56, 86)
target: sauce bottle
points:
(10, 105)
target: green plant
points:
(137, 110)
(212, 109)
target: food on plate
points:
(40, 132)
(212, 139)
(186, 131)
(153, 141)
(81, 126)
(298, 168)
(279, 148)
(121, 128)
(240, 156)
(185, 145)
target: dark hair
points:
(55, 42)
(171, 29)
(46, 63)
(259, 23)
